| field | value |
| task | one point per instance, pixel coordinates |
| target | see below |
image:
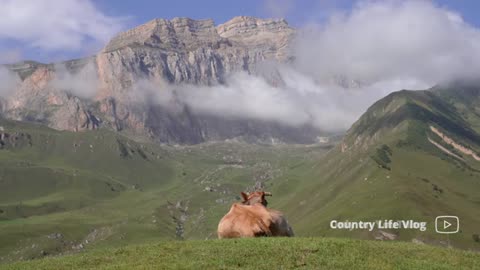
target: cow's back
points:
(245, 221)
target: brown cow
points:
(252, 218)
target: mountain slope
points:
(396, 163)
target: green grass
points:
(77, 184)
(264, 253)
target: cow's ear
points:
(244, 196)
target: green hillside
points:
(64, 192)
(265, 253)
(386, 168)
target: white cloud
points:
(246, 96)
(82, 83)
(8, 82)
(68, 25)
(382, 40)
(299, 100)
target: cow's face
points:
(255, 197)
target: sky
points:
(55, 30)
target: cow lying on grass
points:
(252, 218)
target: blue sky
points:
(298, 12)
(54, 30)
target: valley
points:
(65, 192)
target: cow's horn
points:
(267, 193)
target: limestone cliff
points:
(174, 51)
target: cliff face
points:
(174, 51)
(188, 51)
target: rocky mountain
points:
(103, 90)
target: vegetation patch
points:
(382, 157)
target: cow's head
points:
(255, 197)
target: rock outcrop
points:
(177, 51)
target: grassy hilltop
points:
(265, 253)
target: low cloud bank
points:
(298, 100)
(344, 65)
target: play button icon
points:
(447, 224)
